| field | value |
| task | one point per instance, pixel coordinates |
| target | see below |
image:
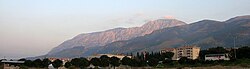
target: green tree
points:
(80, 62)
(95, 61)
(67, 65)
(217, 50)
(23, 59)
(46, 62)
(153, 61)
(184, 60)
(168, 55)
(38, 63)
(28, 63)
(57, 63)
(114, 61)
(104, 61)
(243, 52)
(126, 60)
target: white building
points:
(109, 55)
(191, 52)
(217, 57)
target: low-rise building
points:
(120, 56)
(217, 57)
(64, 60)
(191, 52)
(7, 64)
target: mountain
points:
(156, 35)
(246, 17)
(205, 33)
(91, 41)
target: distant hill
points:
(205, 33)
(157, 35)
(90, 41)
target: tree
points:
(202, 54)
(28, 63)
(23, 59)
(217, 50)
(46, 62)
(80, 62)
(95, 61)
(104, 56)
(57, 63)
(114, 61)
(168, 55)
(153, 61)
(184, 60)
(38, 63)
(104, 61)
(243, 52)
(67, 64)
(126, 60)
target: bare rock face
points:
(118, 34)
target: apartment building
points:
(191, 52)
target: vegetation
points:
(126, 60)
(67, 65)
(153, 59)
(80, 62)
(95, 61)
(115, 62)
(38, 63)
(45, 63)
(104, 61)
(57, 63)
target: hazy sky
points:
(33, 27)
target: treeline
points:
(152, 59)
(147, 59)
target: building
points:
(7, 64)
(120, 56)
(62, 59)
(217, 57)
(191, 52)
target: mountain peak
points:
(238, 18)
(170, 22)
(102, 38)
(243, 17)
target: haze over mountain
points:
(96, 39)
(159, 34)
(205, 34)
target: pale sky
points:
(34, 27)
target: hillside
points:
(90, 41)
(205, 33)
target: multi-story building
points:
(191, 52)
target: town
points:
(184, 56)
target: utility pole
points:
(234, 47)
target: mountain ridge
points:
(104, 37)
(209, 29)
(204, 33)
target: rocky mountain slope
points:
(205, 33)
(96, 39)
(156, 35)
